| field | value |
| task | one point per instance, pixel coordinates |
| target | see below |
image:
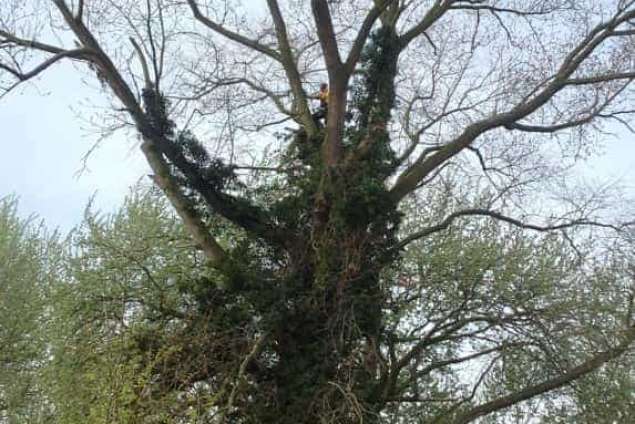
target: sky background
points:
(44, 139)
(43, 142)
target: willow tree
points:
(440, 112)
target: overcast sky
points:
(43, 142)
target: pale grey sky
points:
(43, 143)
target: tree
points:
(125, 313)
(27, 268)
(130, 329)
(455, 107)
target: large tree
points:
(441, 113)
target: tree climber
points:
(323, 97)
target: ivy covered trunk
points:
(312, 302)
(330, 325)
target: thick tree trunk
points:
(326, 367)
(326, 336)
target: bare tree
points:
(467, 101)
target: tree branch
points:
(498, 216)
(31, 44)
(236, 210)
(183, 206)
(80, 10)
(364, 31)
(461, 359)
(253, 353)
(423, 166)
(241, 39)
(338, 82)
(433, 14)
(291, 69)
(23, 76)
(495, 9)
(144, 64)
(391, 13)
(593, 112)
(600, 78)
(551, 384)
(326, 34)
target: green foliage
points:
(187, 153)
(144, 331)
(28, 267)
(525, 291)
(374, 92)
(132, 309)
(139, 330)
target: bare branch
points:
(601, 78)
(144, 64)
(594, 112)
(241, 39)
(495, 9)
(326, 34)
(410, 179)
(238, 211)
(437, 10)
(255, 351)
(291, 69)
(23, 76)
(364, 31)
(564, 379)
(80, 10)
(390, 14)
(338, 81)
(31, 44)
(461, 359)
(500, 217)
(183, 206)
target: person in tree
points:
(323, 97)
